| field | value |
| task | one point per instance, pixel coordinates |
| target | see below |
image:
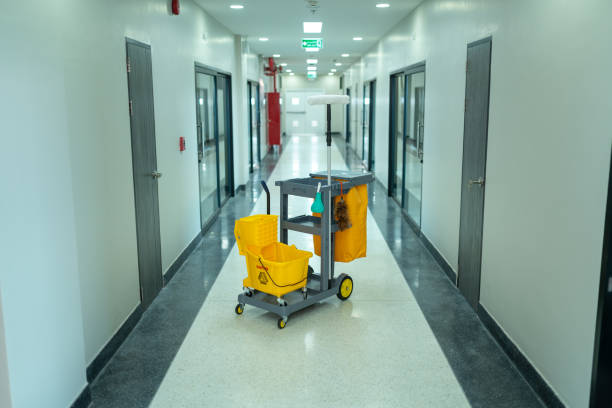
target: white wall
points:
(69, 242)
(5, 389)
(547, 166)
(327, 84)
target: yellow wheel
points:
(346, 288)
(239, 309)
(281, 323)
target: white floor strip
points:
(374, 350)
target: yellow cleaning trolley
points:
(279, 278)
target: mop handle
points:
(329, 194)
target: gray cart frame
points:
(322, 285)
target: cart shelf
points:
(308, 224)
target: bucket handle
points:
(276, 284)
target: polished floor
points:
(404, 338)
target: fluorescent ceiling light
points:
(311, 68)
(312, 27)
(292, 74)
(357, 38)
(311, 49)
(276, 55)
(333, 70)
(338, 64)
(263, 38)
(345, 55)
(382, 5)
(287, 70)
(284, 64)
(237, 6)
(331, 73)
(311, 61)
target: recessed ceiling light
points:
(287, 70)
(311, 61)
(357, 38)
(331, 73)
(311, 49)
(284, 64)
(312, 27)
(276, 55)
(237, 6)
(263, 38)
(382, 5)
(338, 64)
(333, 70)
(345, 55)
(292, 74)
(311, 68)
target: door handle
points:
(156, 174)
(480, 181)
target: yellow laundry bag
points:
(351, 243)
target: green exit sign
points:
(312, 43)
(312, 75)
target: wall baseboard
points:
(111, 347)
(531, 375)
(84, 399)
(241, 187)
(448, 270)
(178, 262)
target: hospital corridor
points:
(306, 203)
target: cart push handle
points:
(265, 187)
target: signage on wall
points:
(312, 74)
(312, 43)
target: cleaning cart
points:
(284, 284)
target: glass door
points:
(254, 126)
(223, 137)
(348, 117)
(396, 161)
(367, 131)
(407, 134)
(415, 89)
(207, 146)
(214, 134)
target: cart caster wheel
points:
(239, 308)
(305, 295)
(282, 323)
(346, 288)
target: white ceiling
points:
(281, 21)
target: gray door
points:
(476, 121)
(144, 165)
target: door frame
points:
(214, 72)
(605, 276)
(409, 70)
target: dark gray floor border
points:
(178, 262)
(535, 380)
(84, 398)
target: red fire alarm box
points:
(181, 144)
(176, 7)
(273, 102)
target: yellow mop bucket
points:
(276, 269)
(273, 267)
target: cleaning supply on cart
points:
(341, 212)
(317, 205)
(351, 243)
